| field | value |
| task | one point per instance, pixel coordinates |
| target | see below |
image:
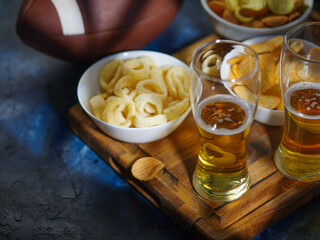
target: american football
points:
(86, 30)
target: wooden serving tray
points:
(270, 198)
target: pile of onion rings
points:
(137, 93)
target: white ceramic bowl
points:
(263, 115)
(236, 32)
(89, 85)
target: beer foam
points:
(224, 98)
(297, 87)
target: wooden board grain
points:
(270, 198)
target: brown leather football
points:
(86, 30)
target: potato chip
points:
(268, 101)
(241, 66)
(275, 53)
(268, 45)
(110, 73)
(280, 106)
(305, 71)
(236, 60)
(142, 122)
(97, 104)
(176, 109)
(297, 45)
(231, 76)
(267, 68)
(275, 88)
(292, 73)
(277, 72)
(276, 77)
(119, 111)
(314, 53)
(246, 66)
(148, 104)
(235, 71)
(244, 93)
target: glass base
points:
(221, 196)
(302, 176)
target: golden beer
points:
(223, 122)
(298, 155)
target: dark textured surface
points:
(52, 186)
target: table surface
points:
(52, 185)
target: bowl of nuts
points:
(240, 20)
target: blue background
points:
(52, 186)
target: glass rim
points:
(288, 36)
(215, 79)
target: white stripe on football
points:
(70, 17)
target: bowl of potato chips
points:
(136, 96)
(240, 20)
(270, 105)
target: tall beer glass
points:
(222, 117)
(298, 155)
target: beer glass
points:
(223, 118)
(298, 155)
